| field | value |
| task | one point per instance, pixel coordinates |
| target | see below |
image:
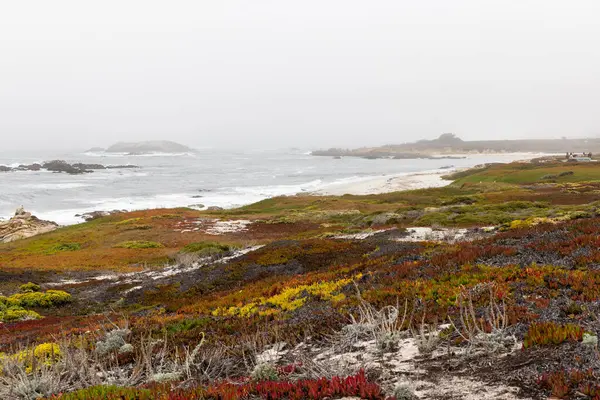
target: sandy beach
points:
(411, 181)
(386, 184)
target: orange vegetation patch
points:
(45, 329)
(132, 241)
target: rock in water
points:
(83, 167)
(31, 167)
(23, 225)
(63, 166)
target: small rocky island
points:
(146, 147)
(63, 166)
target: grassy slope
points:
(532, 173)
(541, 270)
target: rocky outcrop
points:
(23, 225)
(92, 215)
(30, 167)
(84, 167)
(63, 166)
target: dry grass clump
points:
(486, 331)
(81, 362)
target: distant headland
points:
(448, 143)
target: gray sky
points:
(296, 73)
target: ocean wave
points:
(17, 164)
(226, 198)
(55, 186)
(352, 179)
(279, 190)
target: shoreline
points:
(388, 184)
(409, 180)
(367, 185)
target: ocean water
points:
(209, 177)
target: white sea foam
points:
(61, 217)
(56, 186)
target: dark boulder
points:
(88, 166)
(63, 166)
(30, 167)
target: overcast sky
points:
(259, 73)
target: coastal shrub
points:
(15, 313)
(566, 173)
(166, 377)
(139, 244)
(511, 206)
(385, 219)
(49, 298)
(137, 227)
(532, 221)
(289, 299)
(114, 341)
(264, 372)
(486, 214)
(550, 333)
(589, 340)
(33, 358)
(458, 200)
(45, 352)
(166, 216)
(29, 287)
(128, 221)
(187, 325)
(195, 252)
(404, 392)
(111, 392)
(206, 248)
(548, 177)
(579, 215)
(64, 247)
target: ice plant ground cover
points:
(318, 297)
